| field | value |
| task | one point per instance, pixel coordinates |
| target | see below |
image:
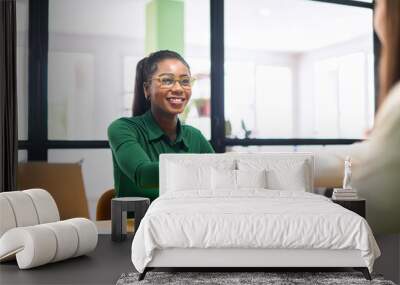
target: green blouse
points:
(136, 144)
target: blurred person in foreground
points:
(376, 173)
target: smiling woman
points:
(163, 88)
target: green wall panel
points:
(165, 25)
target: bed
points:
(247, 210)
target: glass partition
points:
(92, 60)
(298, 69)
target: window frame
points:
(38, 144)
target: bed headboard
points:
(232, 158)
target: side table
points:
(119, 209)
(355, 205)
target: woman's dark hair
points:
(390, 58)
(145, 69)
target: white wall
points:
(86, 88)
(356, 109)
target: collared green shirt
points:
(136, 144)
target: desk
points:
(104, 265)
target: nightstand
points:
(355, 205)
(119, 209)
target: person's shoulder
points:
(124, 123)
(193, 134)
(394, 94)
(390, 106)
(393, 98)
(396, 87)
(190, 130)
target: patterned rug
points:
(270, 278)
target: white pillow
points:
(228, 179)
(183, 177)
(251, 178)
(223, 179)
(282, 174)
(293, 179)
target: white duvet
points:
(252, 218)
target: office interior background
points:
(298, 75)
